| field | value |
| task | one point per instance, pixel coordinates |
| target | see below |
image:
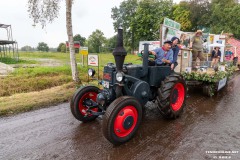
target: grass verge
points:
(33, 100)
(8, 60)
(30, 88)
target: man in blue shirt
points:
(164, 55)
(175, 49)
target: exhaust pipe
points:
(145, 59)
(119, 52)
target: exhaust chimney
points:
(119, 52)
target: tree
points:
(95, 41)
(27, 48)
(111, 42)
(124, 16)
(79, 38)
(42, 47)
(200, 14)
(225, 17)
(181, 14)
(63, 48)
(44, 12)
(60, 47)
(149, 15)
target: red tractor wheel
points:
(122, 119)
(78, 108)
(171, 96)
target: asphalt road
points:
(208, 127)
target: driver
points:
(164, 55)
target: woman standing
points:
(216, 54)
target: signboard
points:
(222, 83)
(170, 29)
(92, 60)
(171, 24)
(83, 51)
(153, 45)
(76, 44)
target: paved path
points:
(5, 69)
(208, 125)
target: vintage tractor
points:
(126, 89)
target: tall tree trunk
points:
(73, 63)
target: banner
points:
(170, 29)
(153, 45)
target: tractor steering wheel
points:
(151, 58)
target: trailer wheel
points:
(171, 96)
(78, 108)
(122, 119)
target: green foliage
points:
(42, 47)
(95, 41)
(59, 48)
(111, 43)
(27, 48)
(206, 77)
(63, 48)
(8, 60)
(149, 16)
(124, 16)
(200, 13)
(80, 39)
(225, 17)
(182, 14)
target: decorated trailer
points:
(210, 79)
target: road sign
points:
(84, 50)
(92, 60)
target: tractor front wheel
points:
(171, 96)
(122, 119)
(78, 106)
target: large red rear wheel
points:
(171, 96)
(122, 119)
(78, 106)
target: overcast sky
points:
(87, 15)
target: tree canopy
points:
(79, 38)
(95, 41)
(42, 47)
(141, 19)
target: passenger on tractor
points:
(175, 49)
(164, 55)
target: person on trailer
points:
(216, 54)
(228, 54)
(164, 55)
(196, 44)
(176, 50)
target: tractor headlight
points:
(91, 72)
(119, 76)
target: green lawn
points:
(33, 84)
(29, 79)
(104, 58)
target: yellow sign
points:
(84, 51)
(211, 38)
